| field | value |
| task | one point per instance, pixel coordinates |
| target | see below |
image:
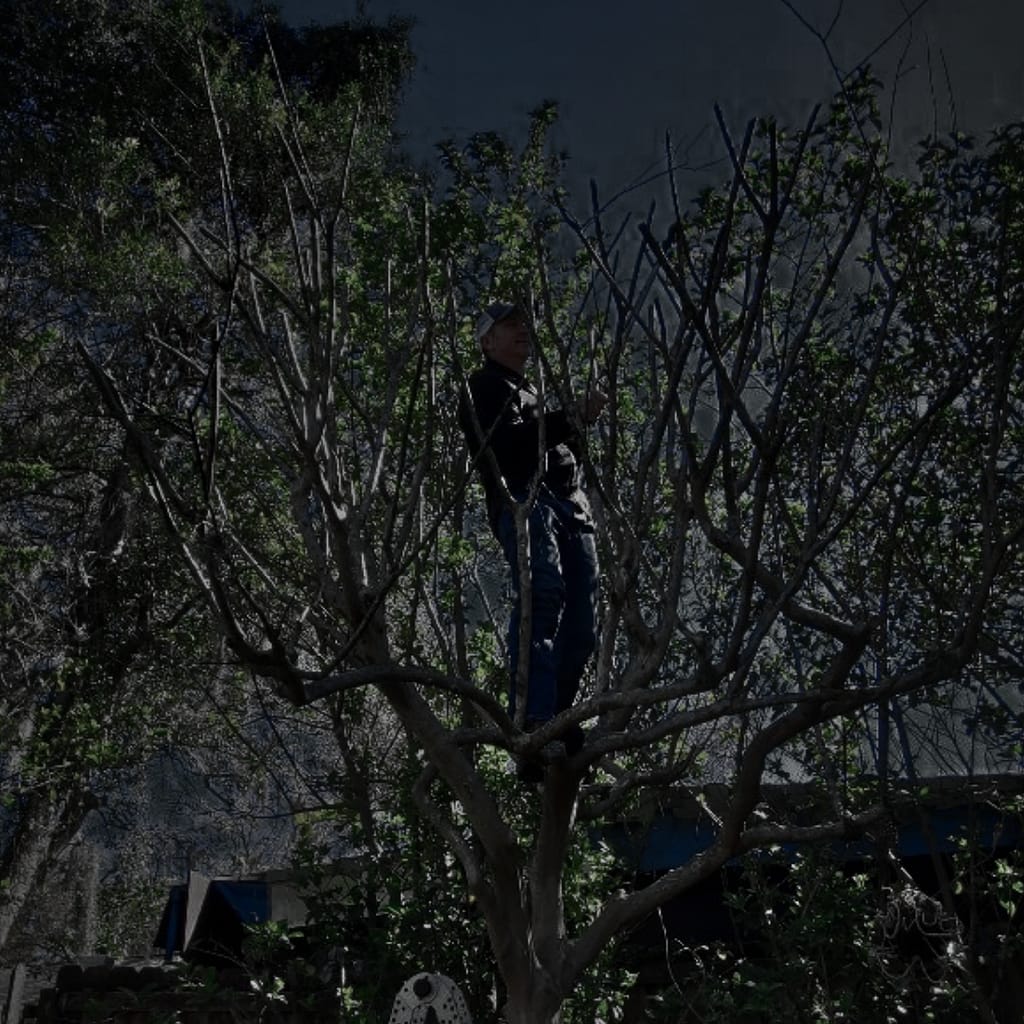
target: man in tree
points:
(530, 465)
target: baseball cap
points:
(492, 314)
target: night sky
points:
(625, 71)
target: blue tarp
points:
(667, 841)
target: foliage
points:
(91, 603)
(105, 660)
(815, 940)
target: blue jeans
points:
(564, 585)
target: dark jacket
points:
(508, 413)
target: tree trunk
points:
(532, 998)
(530, 1008)
(44, 826)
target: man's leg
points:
(547, 599)
(576, 640)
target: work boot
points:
(530, 769)
(574, 738)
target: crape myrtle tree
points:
(807, 488)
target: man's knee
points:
(546, 579)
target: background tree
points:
(90, 602)
(105, 659)
(801, 527)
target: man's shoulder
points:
(490, 368)
(485, 389)
(491, 377)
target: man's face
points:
(509, 343)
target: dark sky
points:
(625, 71)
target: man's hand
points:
(591, 405)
